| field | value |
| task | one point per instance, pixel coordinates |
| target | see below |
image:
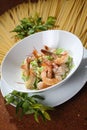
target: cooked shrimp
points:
(46, 47)
(48, 69)
(42, 85)
(62, 59)
(25, 68)
(46, 52)
(48, 81)
(36, 53)
(49, 72)
(31, 80)
(25, 65)
(45, 68)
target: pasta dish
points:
(46, 68)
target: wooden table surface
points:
(72, 115)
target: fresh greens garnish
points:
(26, 104)
(64, 76)
(40, 69)
(34, 63)
(70, 62)
(25, 78)
(59, 51)
(36, 67)
(49, 57)
(37, 80)
(33, 24)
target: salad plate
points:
(65, 91)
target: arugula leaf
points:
(26, 104)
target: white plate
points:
(66, 91)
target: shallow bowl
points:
(11, 72)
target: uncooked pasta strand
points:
(71, 15)
(39, 7)
(65, 17)
(84, 39)
(46, 7)
(85, 44)
(4, 45)
(81, 20)
(25, 10)
(6, 18)
(6, 35)
(15, 17)
(53, 7)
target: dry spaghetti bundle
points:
(71, 15)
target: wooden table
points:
(72, 115)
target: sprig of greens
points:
(26, 104)
(33, 24)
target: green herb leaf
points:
(26, 104)
(33, 24)
(70, 62)
(38, 97)
(59, 51)
(46, 115)
(25, 78)
(51, 21)
(36, 117)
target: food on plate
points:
(46, 67)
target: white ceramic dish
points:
(66, 91)
(11, 73)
